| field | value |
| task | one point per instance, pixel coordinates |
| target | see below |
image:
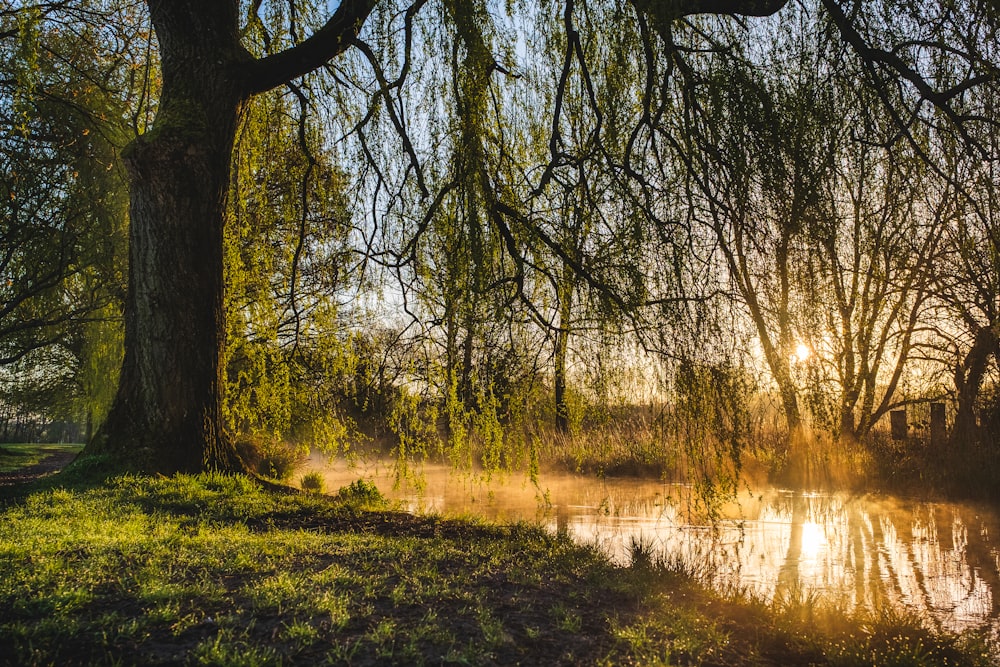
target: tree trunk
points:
(561, 348)
(848, 430)
(166, 416)
(790, 404)
(968, 381)
(562, 409)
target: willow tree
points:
(167, 413)
(754, 151)
(287, 262)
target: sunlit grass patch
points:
(301, 632)
(229, 648)
(298, 591)
(885, 636)
(682, 636)
(14, 457)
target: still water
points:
(940, 560)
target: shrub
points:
(362, 493)
(269, 457)
(313, 481)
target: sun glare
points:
(802, 352)
(813, 539)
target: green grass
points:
(217, 569)
(17, 456)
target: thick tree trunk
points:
(968, 382)
(167, 416)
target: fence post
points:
(897, 419)
(939, 428)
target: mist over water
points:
(939, 560)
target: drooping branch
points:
(941, 99)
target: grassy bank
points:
(220, 570)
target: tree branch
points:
(331, 40)
(663, 11)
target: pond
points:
(939, 560)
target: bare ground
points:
(51, 464)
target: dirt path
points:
(52, 463)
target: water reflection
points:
(936, 559)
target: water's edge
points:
(936, 559)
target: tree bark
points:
(562, 407)
(167, 414)
(847, 432)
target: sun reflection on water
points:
(813, 540)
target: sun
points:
(802, 352)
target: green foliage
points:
(713, 424)
(271, 457)
(292, 360)
(65, 98)
(413, 422)
(362, 493)
(313, 482)
(102, 351)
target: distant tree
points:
(874, 245)
(935, 69)
(968, 286)
(68, 105)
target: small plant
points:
(642, 552)
(313, 482)
(361, 492)
(271, 457)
